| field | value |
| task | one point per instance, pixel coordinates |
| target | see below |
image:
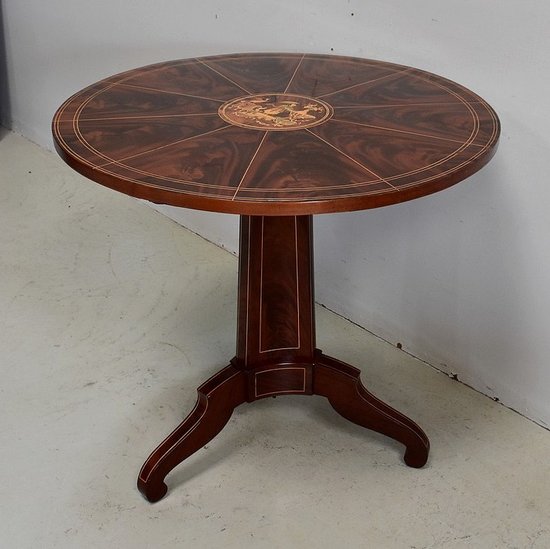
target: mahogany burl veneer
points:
(276, 138)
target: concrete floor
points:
(112, 315)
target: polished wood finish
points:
(340, 383)
(276, 353)
(309, 133)
(275, 320)
(276, 138)
(216, 401)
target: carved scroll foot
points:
(340, 384)
(216, 401)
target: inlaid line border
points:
(489, 142)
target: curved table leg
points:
(217, 398)
(341, 385)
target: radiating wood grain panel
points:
(258, 74)
(123, 136)
(320, 75)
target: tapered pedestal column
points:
(275, 330)
(276, 353)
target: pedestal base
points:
(276, 353)
(222, 393)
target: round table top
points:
(276, 134)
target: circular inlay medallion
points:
(275, 111)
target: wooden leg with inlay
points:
(217, 398)
(341, 385)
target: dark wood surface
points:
(276, 353)
(276, 134)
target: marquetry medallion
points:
(275, 111)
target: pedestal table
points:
(276, 138)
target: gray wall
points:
(459, 278)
